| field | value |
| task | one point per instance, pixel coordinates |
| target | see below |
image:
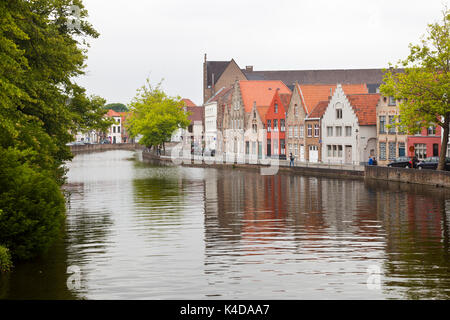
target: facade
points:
(426, 143)
(193, 137)
(276, 124)
(392, 142)
(349, 128)
(295, 121)
(313, 138)
(114, 133)
(214, 112)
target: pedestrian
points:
(291, 158)
(370, 161)
(375, 162)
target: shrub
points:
(32, 206)
(5, 260)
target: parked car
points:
(431, 163)
(403, 162)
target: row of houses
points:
(116, 133)
(252, 113)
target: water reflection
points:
(139, 231)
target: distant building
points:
(114, 133)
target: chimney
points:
(249, 68)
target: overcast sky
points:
(168, 38)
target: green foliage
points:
(40, 105)
(117, 107)
(155, 116)
(423, 88)
(5, 259)
(32, 205)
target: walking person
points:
(291, 158)
(370, 161)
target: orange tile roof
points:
(260, 91)
(312, 94)
(262, 110)
(112, 113)
(365, 106)
(189, 103)
(318, 110)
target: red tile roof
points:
(262, 111)
(311, 94)
(188, 103)
(365, 106)
(112, 113)
(318, 110)
(260, 91)
(196, 113)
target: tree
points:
(117, 107)
(155, 115)
(41, 52)
(423, 88)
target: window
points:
(431, 131)
(340, 151)
(269, 125)
(391, 101)
(338, 131)
(290, 147)
(401, 149)
(302, 131)
(276, 108)
(391, 147)
(118, 129)
(328, 150)
(275, 124)
(392, 125)
(283, 146)
(316, 130)
(114, 129)
(282, 125)
(334, 151)
(255, 128)
(435, 150)
(420, 149)
(295, 131)
(291, 129)
(309, 130)
(247, 147)
(382, 150)
(338, 113)
(296, 110)
(382, 124)
(329, 131)
(296, 151)
(254, 147)
(348, 131)
(275, 146)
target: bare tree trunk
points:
(443, 155)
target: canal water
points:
(140, 231)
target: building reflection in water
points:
(343, 225)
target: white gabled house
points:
(349, 134)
